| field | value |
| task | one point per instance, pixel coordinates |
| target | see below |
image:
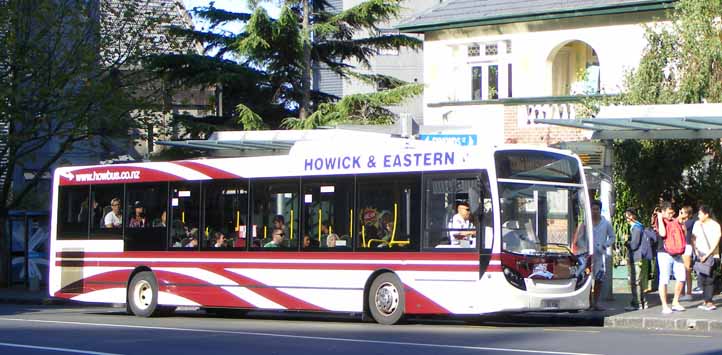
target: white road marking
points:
(306, 337)
(65, 350)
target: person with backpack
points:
(705, 242)
(669, 256)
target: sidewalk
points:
(21, 295)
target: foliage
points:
(682, 63)
(357, 108)
(262, 68)
(70, 81)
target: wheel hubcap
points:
(387, 298)
(143, 294)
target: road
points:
(108, 331)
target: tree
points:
(269, 62)
(70, 81)
(682, 64)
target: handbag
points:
(704, 268)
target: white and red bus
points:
(381, 229)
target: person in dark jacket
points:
(634, 257)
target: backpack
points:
(675, 241)
(649, 243)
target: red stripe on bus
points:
(214, 173)
(197, 290)
(160, 255)
(266, 291)
(113, 174)
(276, 265)
(287, 266)
(416, 303)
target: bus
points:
(380, 229)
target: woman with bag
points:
(706, 232)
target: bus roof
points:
(334, 155)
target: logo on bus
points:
(386, 161)
(107, 175)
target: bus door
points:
(328, 213)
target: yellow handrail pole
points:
(363, 236)
(330, 229)
(291, 223)
(396, 215)
(183, 217)
(350, 224)
(265, 231)
(238, 220)
(319, 225)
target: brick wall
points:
(543, 135)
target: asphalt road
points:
(93, 330)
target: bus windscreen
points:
(537, 165)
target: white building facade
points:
(494, 66)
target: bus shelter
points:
(684, 121)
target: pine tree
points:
(265, 69)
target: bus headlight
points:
(514, 278)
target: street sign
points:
(460, 139)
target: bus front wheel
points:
(386, 299)
(143, 294)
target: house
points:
(493, 66)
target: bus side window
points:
(455, 211)
(74, 212)
(147, 206)
(274, 207)
(107, 221)
(226, 209)
(327, 214)
(388, 216)
(185, 208)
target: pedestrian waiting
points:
(634, 257)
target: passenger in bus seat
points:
(462, 228)
(86, 210)
(331, 240)
(220, 240)
(277, 240)
(161, 221)
(114, 218)
(138, 218)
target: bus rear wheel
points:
(386, 299)
(143, 295)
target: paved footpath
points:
(614, 315)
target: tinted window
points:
(389, 214)
(535, 165)
(327, 211)
(74, 212)
(226, 211)
(107, 222)
(275, 206)
(185, 207)
(147, 216)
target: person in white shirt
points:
(705, 242)
(114, 219)
(462, 229)
(602, 238)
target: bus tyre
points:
(386, 299)
(143, 294)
